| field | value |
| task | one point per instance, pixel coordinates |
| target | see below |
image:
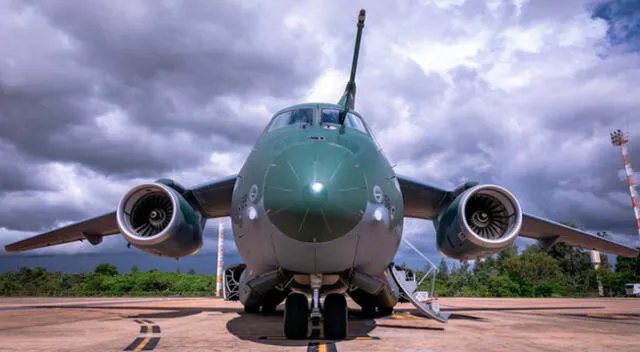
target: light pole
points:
(220, 257)
(620, 139)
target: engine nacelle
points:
(480, 222)
(155, 218)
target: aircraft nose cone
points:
(315, 192)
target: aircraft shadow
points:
(166, 312)
(267, 329)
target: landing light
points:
(377, 214)
(316, 187)
(253, 213)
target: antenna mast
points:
(349, 96)
(620, 139)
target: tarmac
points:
(209, 324)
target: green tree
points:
(106, 269)
(630, 266)
(510, 251)
(533, 267)
(443, 271)
(576, 267)
(134, 269)
(503, 286)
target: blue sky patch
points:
(623, 18)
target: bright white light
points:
(377, 214)
(253, 213)
(316, 187)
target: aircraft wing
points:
(213, 199)
(91, 229)
(550, 232)
(422, 200)
(425, 201)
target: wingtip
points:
(10, 249)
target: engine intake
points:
(480, 222)
(155, 218)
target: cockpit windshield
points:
(331, 117)
(292, 117)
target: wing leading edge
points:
(212, 198)
(424, 201)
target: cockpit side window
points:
(354, 121)
(330, 117)
(292, 117)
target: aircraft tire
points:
(384, 311)
(268, 309)
(252, 309)
(336, 319)
(369, 311)
(296, 316)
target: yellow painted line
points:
(404, 316)
(622, 317)
(322, 347)
(142, 344)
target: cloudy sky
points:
(98, 96)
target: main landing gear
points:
(298, 314)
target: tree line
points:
(560, 271)
(105, 280)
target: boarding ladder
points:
(424, 301)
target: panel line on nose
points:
(303, 219)
(279, 188)
(293, 169)
(347, 209)
(279, 210)
(335, 172)
(326, 223)
(349, 189)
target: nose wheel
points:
(296, 316)
(335, 317)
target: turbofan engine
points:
(155, 218)
(480, 222)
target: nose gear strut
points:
(316, 315)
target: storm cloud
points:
(98, 96)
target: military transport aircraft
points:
(317, 209)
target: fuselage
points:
(311, 198)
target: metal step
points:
(424, 301)
(430, 308)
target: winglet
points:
(349, 96)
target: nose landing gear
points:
(334, 315)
